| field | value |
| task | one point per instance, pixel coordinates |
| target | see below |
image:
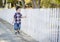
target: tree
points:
(34, 3)
(0, 3)
(39, 1)
(23, 3)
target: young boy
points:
(17, 20)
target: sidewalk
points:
(7, 34)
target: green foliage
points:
(10, 1)
(50, 3)
(57, 1)
(45, 3)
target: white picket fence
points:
(41, 24)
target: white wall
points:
(41, 24)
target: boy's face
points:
(18, 10)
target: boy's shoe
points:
(15, 33)
(18, 32)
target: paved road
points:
(7, 36)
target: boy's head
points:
(18, 8)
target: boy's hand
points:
(25, 17)
(13, 22)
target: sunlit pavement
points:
(7, 36)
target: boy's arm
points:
(23, 17)
(13, 21)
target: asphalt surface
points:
(6, 35)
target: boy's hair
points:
(18, 7)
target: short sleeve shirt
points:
(17, 17)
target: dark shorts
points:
(17, 26)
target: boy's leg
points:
(16, 32)
(19, 28)
(15, 28)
